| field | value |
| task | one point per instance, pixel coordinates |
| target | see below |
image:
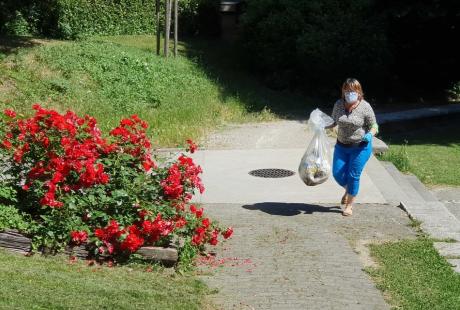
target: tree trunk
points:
(176, 25)
(167, 27)
(157, 16)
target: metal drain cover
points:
(271, 173)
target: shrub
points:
(28, 17)
(78, 187)
(17, 25)
(453, 92)
(199, 17)
(83, 18)
(72, 19)
(311, 44)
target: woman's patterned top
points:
(354, 125)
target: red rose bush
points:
(78, 187)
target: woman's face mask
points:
(351, 96)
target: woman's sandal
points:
(348, 210)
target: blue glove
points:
(367, 137)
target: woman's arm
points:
(374, 129)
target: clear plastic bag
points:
(315, 166)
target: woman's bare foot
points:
(348, 210)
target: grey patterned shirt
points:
(354, 125)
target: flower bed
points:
(66, 184)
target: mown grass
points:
(432, 152)
(412, 275)
(111, 78)
(52, 283)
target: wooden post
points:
(157, 14)
(176, 25)
(168, 27)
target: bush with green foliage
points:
(83, 18)
(453, 92)
(73, 186)
(311, 44)
(72, 19)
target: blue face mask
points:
(351, 97)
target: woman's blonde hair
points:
(351, 84)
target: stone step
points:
(420, 188)
(448, 249)
(410, 194)
(387, 185)
(437, 220)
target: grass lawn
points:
(431, 153)
(52, 283)
(413, 275)
(113, 77)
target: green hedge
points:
(314, 44)
(82, 18)
(70, 19)
(397, 48)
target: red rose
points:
(7, 144)
(228, 233)
(79, 237)
(192, 147)
(9, 113)
(206, 222)
(199, 213)
(181, 222)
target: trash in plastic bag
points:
(315, 166)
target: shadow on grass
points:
(291, 209)
(9, 45)
(221, 62)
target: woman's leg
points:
(358, 159)
(340, 165)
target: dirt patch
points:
(361, 247)
(7, 89)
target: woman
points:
(356, 125)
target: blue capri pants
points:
(348, 164)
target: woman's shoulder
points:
(366, 105)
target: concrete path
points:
(405, 115)
(231, 154)
(227, 179)
(292, 248)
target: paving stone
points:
(455, 264)
(454, 208)
(448, 249)
(293, 256)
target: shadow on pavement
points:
(290, 209)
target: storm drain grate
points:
(271, 173)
